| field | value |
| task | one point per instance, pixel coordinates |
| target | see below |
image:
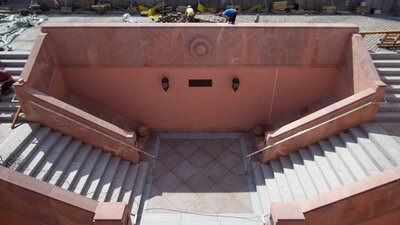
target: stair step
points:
(281, 181)
(15, 140)
(53, 157)
(350, 154)
(13, 62)
(135, 200)
(107, 179)
(260, 187)
(302, 174)
(314, 171)
(14, 55)
(379, 159)
(324, 167)
(389, 147)
(23, 155)
(292, 179)
(387, 117)
(57, 172)
(9, 106)
(334, 160)
(40, 153)
(385, 55)
(8, 116)
(392, 97)
(386, 63)
(393, 88)
(95, 177)
(272, 188)
(14, 71)
(85, 172)
(73, 169)
(127, 187)
(116, 186)
(389, 107)
(360, 157)
(390, 79)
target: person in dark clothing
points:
(7, 81)
(229, 15)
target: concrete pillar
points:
(112, 213)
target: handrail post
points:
(248, 165)
(151, 165)
(16, 117)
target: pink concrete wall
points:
(136, 94)
(373, 200)
(173, 44)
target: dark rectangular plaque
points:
(200, 83)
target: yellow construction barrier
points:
(142, 8)
(255, 8)
(201, 8)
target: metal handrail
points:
(363, 33)
(99, 132)
(304, 131)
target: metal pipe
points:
(16, 117)
(248, 165)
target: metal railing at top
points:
(151, 157)
(304, 131)
(363, 33)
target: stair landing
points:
(200, 178)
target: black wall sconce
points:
(165, 83)
(235, 84)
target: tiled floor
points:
(199, 176)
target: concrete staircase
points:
(60, 160)
(327, 165)
(388, 66)
(13, 62)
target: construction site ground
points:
(25, 41)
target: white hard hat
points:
(189, 6)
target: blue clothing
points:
(228, 12)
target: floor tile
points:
(171, 159)
(167, 183)
(214, 170)
(184, 171)
(186, 149)
(213, 149)
(228, 159)
(199, 159)
(199, 183)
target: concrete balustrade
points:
(25, 200)
(373, 200)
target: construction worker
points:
(229, 15)
(7, 81)
(189, 14)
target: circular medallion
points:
(200, 48)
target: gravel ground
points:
(25, 40)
